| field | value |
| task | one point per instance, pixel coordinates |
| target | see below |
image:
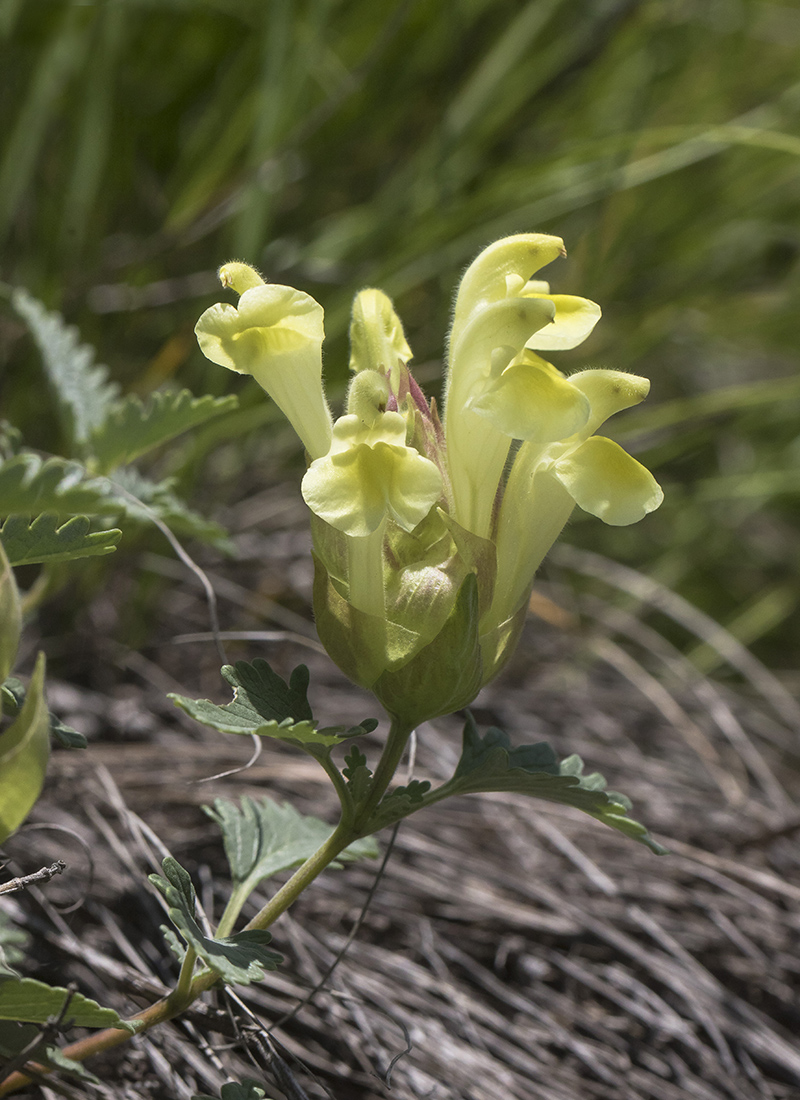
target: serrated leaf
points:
(33, 1002)
(49, 540)
(247, 1090)
(131, 427)
(10, 617)
(262, 838)
(29, 486)
(238, 959)
(489, 763)
(147, 498)
(265, 705)
(81, 386)
(24, 751)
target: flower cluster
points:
(428, 532)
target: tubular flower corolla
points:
(427, 533)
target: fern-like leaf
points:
(29, 486)
(132, 427)
(45, 541)
(81, 385)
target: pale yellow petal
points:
(605, 481)
(532, 400)
(574, 320)
(609, 392)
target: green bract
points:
(427, 532)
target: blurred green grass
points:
(338, 145)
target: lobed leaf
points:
(262, 838)
(489, 763)
(82, 388)
(265, 705)
(132, 427)
(44, 540)
(141, 499)
(238, 959)
(30, 485)
(24, 752)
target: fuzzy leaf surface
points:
(238, 959)
(489, 763)
(82, 388)
(133, 427)
(142, 498)
(33, 1002)
(266, 705)
(262, 838)
(24, 752)
(29, 486)
(49, 540)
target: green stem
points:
(391, 756)
(187, 970)
(350, 828)
(341, 836)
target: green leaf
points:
(10, 618)
(81, 386)
(29, 1001)
(262, 838)
(238, 959)
(265, 705)
(29, 486)
(148, 498)
(403, 801)
(45, 541)
(489, 763)
(24, 751)
(16, 1037)
(357, 773)
(132, 427)
(12, 697)
(247, 1090)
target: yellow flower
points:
(427, 536)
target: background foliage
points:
(337, 145)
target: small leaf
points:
(247, 1090)
(131, 427)
(29, 486)
(263, 838)
(12, 696)
(24, 751)
(238, 959)
(265, 705)
(402, 801)
(10, 618)
(357, 773)
(33, 1002)
(82, 388)
(45, 541)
